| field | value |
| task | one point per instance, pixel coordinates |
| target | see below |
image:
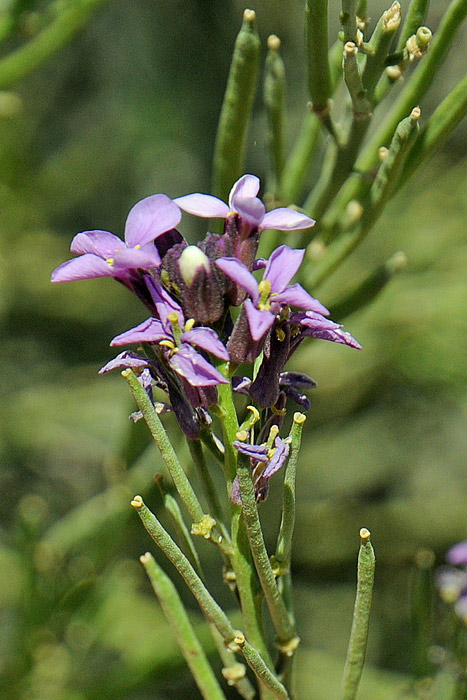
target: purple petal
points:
(297, 379)
(241, 384)
(285, 219)
(295, 295)
(278, 459)
(204, 205)
(259, 320)
(192, 366)
(150, 331)
(85, 267)
(207, 339)
(124, 360)
(132, 259)
(239, 273)
(246, 186)
(282, 266)
(257, 452)
(101, 243)
(250, 209)
(457, 555)
(164, 303)
(331, 333)
(149, 218)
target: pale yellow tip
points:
(365, 534)
(415, 114)
(274, 43)
(299, 417)
(249, 15)
(137, 502)
(145, 558)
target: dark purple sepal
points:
(265, 388)
(241, 346)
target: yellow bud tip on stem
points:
(242, 435)
(274, 43)
(126, 372)
(382, 152)
(249, 15)
(398, 261)
(239, 638)
(255, 412)
(137, 502)
(365, 534)
(350, 48)
(415, 114)
(145, 558)
(392, 17)
(299, 417)
(234, 673)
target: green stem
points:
(180, 479)
(319, 71)
(234, 639)
(443, 120)
(285, 632)
(361, 618)
(183, 535)
(56, 35)
(274, 101)
(378, 47)
(414, 18)
(207, 483)
(183, 630)
(422, 598)
(348, 18)
(231, 136)
(353, 80)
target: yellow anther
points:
(204, 527)
(110, 261)
(242, 435)
(189, 324)
(137, 246)
(264, 287)
(168, 344)
(255, 412)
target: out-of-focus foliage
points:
(129, 109)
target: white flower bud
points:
(191, 260)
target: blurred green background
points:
(129, 109)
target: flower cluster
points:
(209, 313)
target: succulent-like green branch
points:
(229, 150)
(361, 618)
(274, 101)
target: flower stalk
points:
(274, 102)
(361, 618)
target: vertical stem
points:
(183, 630)
(274, 100)
(361, 617)
(207, 483)
(231, 136)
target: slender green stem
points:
(361, 618)
(180, 479)
(378, 47)
(183, 535)
(274, 101)
(183, 630)
(234, 639)
(279, 615)
(287, 526)
(353, 80)
(319, 71)
(358, 183)
(26, 59)
(231, 136)
(422, 599)
(207, 483)
(443, 120)
(380, 192)
(348, 18)
(414, 18)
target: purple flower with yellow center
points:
(176, 339)
(102, 254)
(265, 462)
(244, 203)
(273, 292)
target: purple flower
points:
(451, 580)
(102, 254)
(176, 339)
(273, 292)
(457, 555)
(314, 325)
(244, 203)
(265, 463)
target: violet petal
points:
(285, 219)
(192, 366)
(278, 459)
(240, 274)
(257, 452)
(457, 555)
(149, 218)
(295, 295)
(282, 266)
(259, 320)
(250, 209)
(132, 259)
(149, 331)
(101, 243)
(122, 361)
(203, 205)
(246, 186)
(85, 267)
(207, 339)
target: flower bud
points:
(191, 261)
